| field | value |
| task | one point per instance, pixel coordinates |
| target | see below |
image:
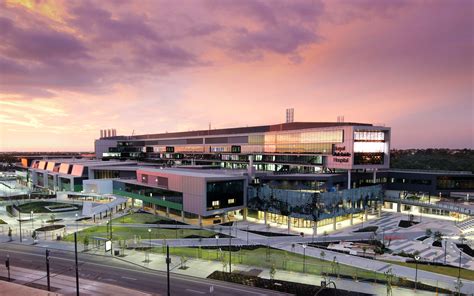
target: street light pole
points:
(31, 218)
(77, 223)
(416, 271)
(47, 270)
(459, 269)
(77, 269)
(168, 261)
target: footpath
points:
(198, 268)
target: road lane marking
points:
(156, 273)
(195, 291)
(129, 278)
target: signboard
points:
(108, 245)
(340, 154)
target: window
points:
(215, 203)
(231, 201)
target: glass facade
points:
(224, 194)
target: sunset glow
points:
(71, 68)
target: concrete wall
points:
(100, 186)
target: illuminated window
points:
(215, 203)
(231, 201)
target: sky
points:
(71, 68)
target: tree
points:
(389, 281)
(438, 236)
(34, 235)
(272, 272)
(85, 241)
(428, 232)
(53, 217)
(458, 286)
(322, 255)
(364, 249)
(183, 260)
(333, 265)
(224, 262)
(122, 245)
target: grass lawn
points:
(446, 270)
(39, 207)
(123, 233)
(139, 218)
(260, 257)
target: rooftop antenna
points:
(290, 115)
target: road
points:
(117, 272)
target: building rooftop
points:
(243, 130)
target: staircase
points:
(466, 225)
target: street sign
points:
(108, 245)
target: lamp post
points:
(77, 223)
(416, 270)
(149, 245)
(217, 246)
(304, 258)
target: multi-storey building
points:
(297, 147)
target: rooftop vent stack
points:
(114, 132)
(290, 115)
(101, 134)
(109, 133)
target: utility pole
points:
(77, 269)
(168, 261)
(47, 270)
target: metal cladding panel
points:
(194, 194)
(77, 170)
(50, 166)
(64, 168)
(42, 165)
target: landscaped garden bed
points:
(422, 238)
(146, 218)
(437, 244)
(407, 223)
(270, 234)
(367, 229)
(53, 220)
(298, 289)
(466, 249)
(3, 222)
(123, 233)
(47, 207)
(50, 227)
